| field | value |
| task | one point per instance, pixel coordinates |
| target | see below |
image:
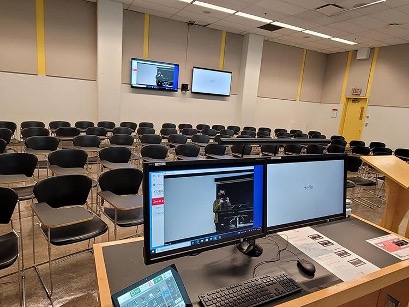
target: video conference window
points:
(154, 75)
(193, 207)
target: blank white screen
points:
(301, 191)
(211, 82)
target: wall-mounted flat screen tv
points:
(154, 75)
(211, 81)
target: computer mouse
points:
(306, 267)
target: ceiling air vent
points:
(330, 9)
(270, 27)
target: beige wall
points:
(18, 51)
(232, 58)
(359, 74)
(334, 77)
(313, 80)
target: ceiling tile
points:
(330, 31)
(231, 4)
(154, 7)
(281, 6)
(304, 37)
(265, 33)
(396, 3)
(372, 34)
(395, 41)
(310, 4)
(298, 22)
(223, 28)
(148, 11)
(263, 12)
(234, 25)
(395, 31)
(368, 22)
(404, 9)
(170, 3)
(199, 18)
(392, 16)
(244, 21)
(347, 27)
(205, 11)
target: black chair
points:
(314, 149)
(283, 135)
(145, 130)
(209, 132)
(339, 142)
(6, 134)
(176, 139)
(32, 124)
(98, 131)
(301, 135)
(86, 141)
(337, 137)
(236, 129)
(361, 150)
(263, 134)
(145, 125)
(250, 128)
(294, 131)
(83, 125)
(34, 131)
(219, 136)
(165, 132)
(376, 144)
(10, 241)
(381, 151)
(239, 150)
(250, 133)
(269, 149)
(122, 140)
(122, 130)
(277, 130)
(67, 132)
(186, 151)
(3, 146)
(154, 152)
(313, 132)
(69, 192)
(333, 148)
(264, 129)
(218, 128)
(227, 132)
(292, 149)
(9, 125)
(354, 143)
(402, 153)
(214, 149)
(106, 124)
(131, 125)
(317, 136)
(54, 125)
(200, 139)
(151, 139)
(189, 132)
(200, 127)
(119, 188)
(68, 161)
(41, 147)
(169, 125)
(115, 157)
(182, 126)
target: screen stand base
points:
(250, 248)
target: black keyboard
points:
(252, 292)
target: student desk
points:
(396, 174)
(120, 264)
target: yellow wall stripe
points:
(372, 72)
(146, 38)
(343, 93)
(222, 50)
(40, 37)
(304, 57)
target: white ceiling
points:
(369, 26)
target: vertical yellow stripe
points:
(222, 50)
(304, 57)
(40, 37)
(372, 72)
(146, 38)
(343, 93)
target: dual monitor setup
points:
(165, 76)
(190, 207)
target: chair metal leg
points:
(21, 234)
(115, 222)
(34, 249)
(49, 292)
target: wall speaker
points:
(363, 53)
(184, 87)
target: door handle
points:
(361, 114)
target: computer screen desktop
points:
(304, 190)
(198, 205)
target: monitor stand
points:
(250, 248)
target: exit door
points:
(354, 118)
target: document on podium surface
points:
(393, 245)
(340, 261)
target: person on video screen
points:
(221, 203)
(159, 78)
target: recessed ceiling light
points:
(284, 25)
(214, 7)
(316, 34)
(261, 19)
(340, 40)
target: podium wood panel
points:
(396, 172)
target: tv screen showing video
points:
(154, 75)
(209, 81)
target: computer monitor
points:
(194, 206)
(305, 189)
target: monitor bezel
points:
(308, 222)
(217, 70)
(210, 163)
(150, 88)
